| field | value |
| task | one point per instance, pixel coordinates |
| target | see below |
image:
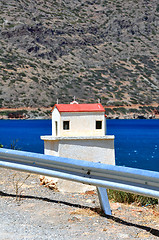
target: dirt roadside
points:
(40, 213)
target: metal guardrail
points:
(102, 176)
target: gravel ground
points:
(40, 213)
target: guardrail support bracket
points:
(104, 201)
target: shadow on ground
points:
(153, 231)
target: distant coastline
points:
(135, 111)
(113, 112)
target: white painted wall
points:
(88, 150)
(55, 118)
(82, 124)
(51, 148)
(95, 149)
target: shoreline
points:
(135, 111)
(50, 119)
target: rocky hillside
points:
(91, 49)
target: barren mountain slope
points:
(91, 49)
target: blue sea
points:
(136, 141)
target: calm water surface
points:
(136, 141)
(25, 134)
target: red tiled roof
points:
(96, 107)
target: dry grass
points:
(86, 211)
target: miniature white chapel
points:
(78, 132)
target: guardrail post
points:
(104, 201)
